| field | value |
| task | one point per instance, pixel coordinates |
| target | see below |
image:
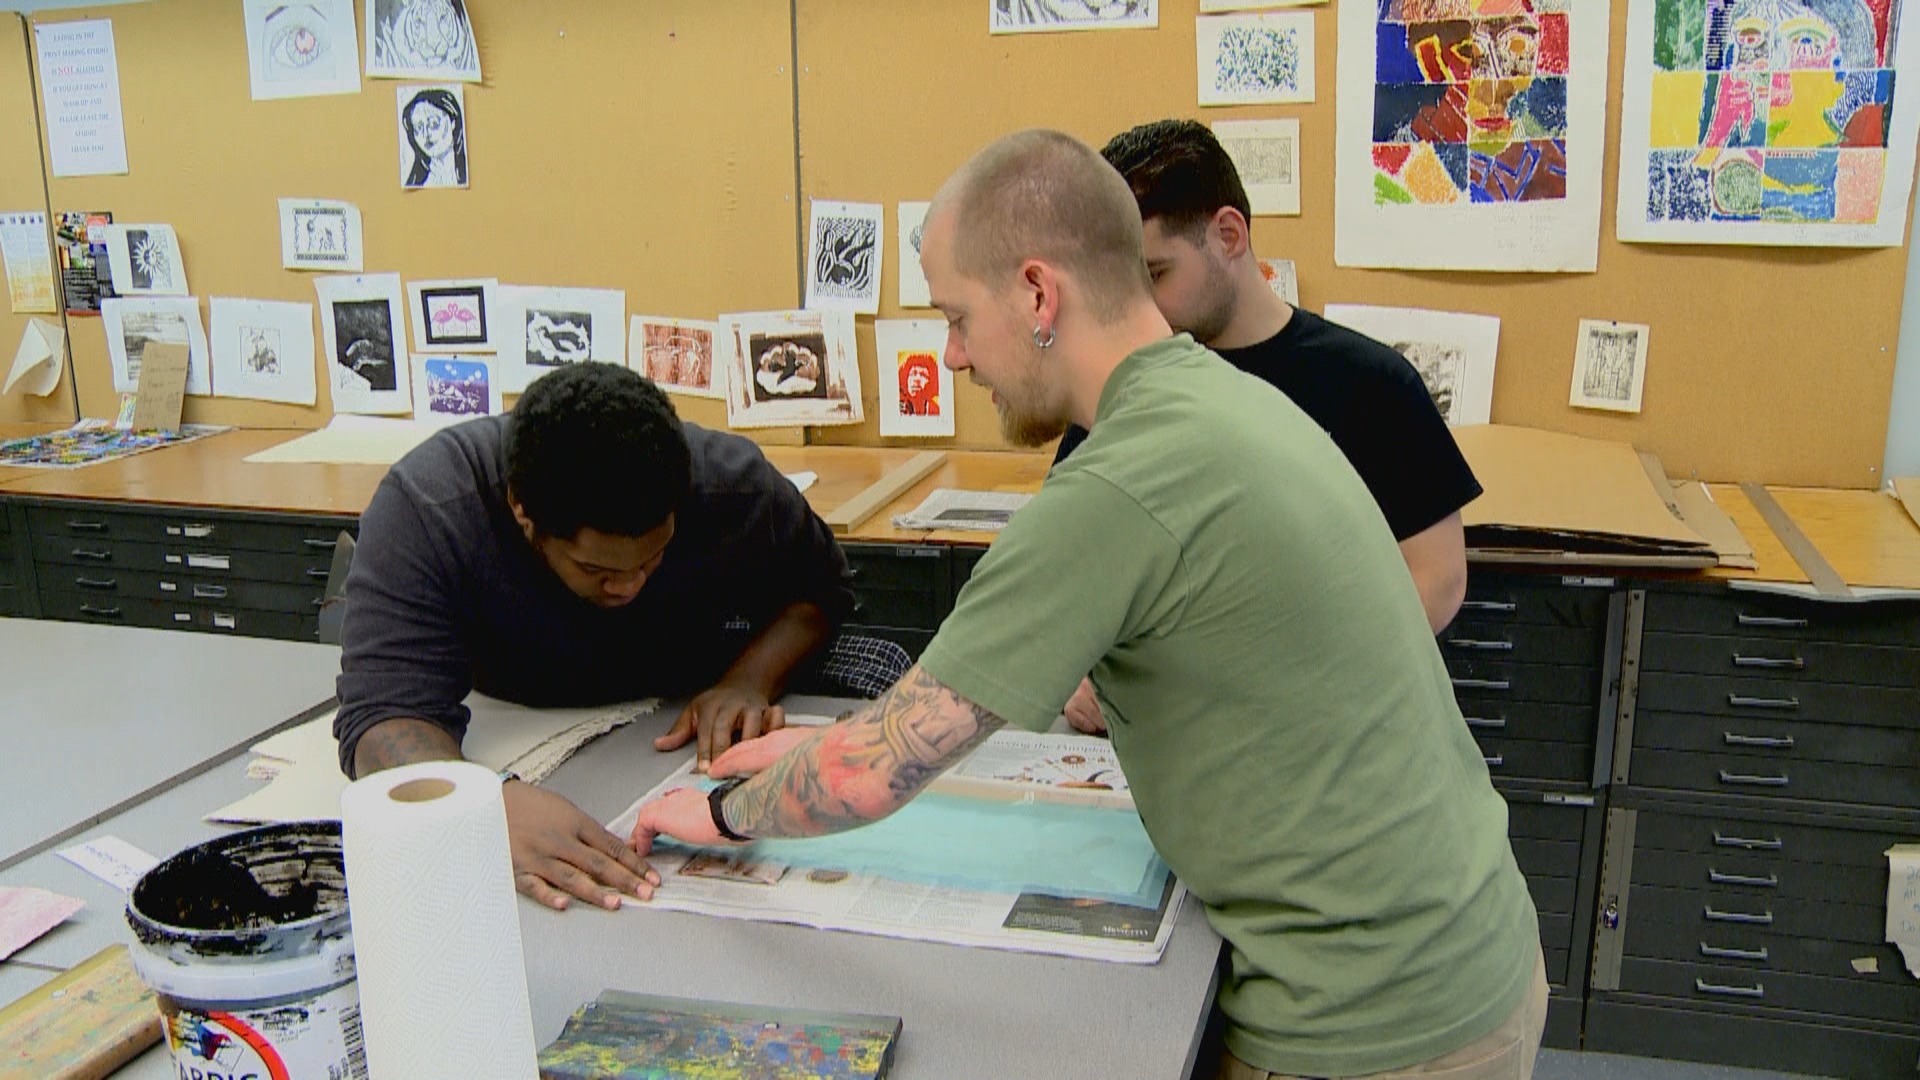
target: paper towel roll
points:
(436, 930)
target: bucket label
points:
(317, 1039)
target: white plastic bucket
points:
(247, 943)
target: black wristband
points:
(716, 802)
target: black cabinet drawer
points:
(1521, 643)
(13, 600)
(1759, 951)
(124, 611)
(89, 521)
(1497, 680)
(1740, 774)
(1539, 721)
(1761, 1038)
(1786, 740)
(1556, 931)
(1801, 993)
(892, 607)
(1521, 760)
(1715, 910)
(914, 641)
(1712, 833)
(1784, 661)
(159, 559)
(1541, 601)
(1748, 614)
(1547, 858)
(897, 566)
(1556, 965)
(1546, 821)
(1827, 702)
(175, 588)
(1749, 875)
(1552, 895)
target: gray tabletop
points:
(967, 1012)
(94, 718)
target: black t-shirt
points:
(446, 595)
(1373, 404)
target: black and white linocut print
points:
(320, 235)
(788, 367)
(1042, 16)
(260, 349)
(556, 337)
(1442, 366)
(421, 39)
(363, 342)
(1610, 365)
(844, 254)
(433, 136)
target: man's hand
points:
(683, 814)
(751, 757)
(715, 715)
(560, 852)
(1083, 710)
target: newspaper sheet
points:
(951, 508)
(1010, 764)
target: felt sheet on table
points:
(988, 846)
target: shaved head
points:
(1045, 195)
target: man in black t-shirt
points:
(588, 549)
(1207, 282)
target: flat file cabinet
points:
(1769, 754)
(256, 575)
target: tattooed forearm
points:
(864, 767)
(402, 741)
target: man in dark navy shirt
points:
(1207, 282)
(588, 549)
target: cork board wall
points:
(23, 188)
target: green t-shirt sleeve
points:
(1080, 569)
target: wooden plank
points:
(1818, 570)
(848, 516)
(82, 1025)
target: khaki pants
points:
(1506, 1054)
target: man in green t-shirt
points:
(1275, 696)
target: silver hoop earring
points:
(1046, 342)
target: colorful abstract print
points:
(1470, 101)
(1770, 110)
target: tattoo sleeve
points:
(402, 741)
(864, 767)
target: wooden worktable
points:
(1867, 536)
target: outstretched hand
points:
(716, 715)
(683, 814)
(751, 757)
(560, 853)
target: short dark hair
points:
(596, 446)
(1179, 173)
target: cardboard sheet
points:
(1568, 489)
(1699, 510)
(349, 440)
(1908, 489)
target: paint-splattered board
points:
(82, 1025)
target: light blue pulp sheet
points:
(986, 846)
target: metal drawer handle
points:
(96, 556)
(1771, 881)
(209, 592)
(96, 583)
(1752, 781)
(853, 573)
(1496, 761)
(1719, 953)
(1488, 605)
(1757, 990)
(1483, 684)
(1770, 662)
(1765, 742)
(1774, 844)
(1768, 620)
(1746, 702)
(859, 608)
(1486, 721)
(100, 612)
(317, 572)
(325, 545)
(87, 526)
(1746, 918)
(1482, 646)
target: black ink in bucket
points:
(247, 942)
